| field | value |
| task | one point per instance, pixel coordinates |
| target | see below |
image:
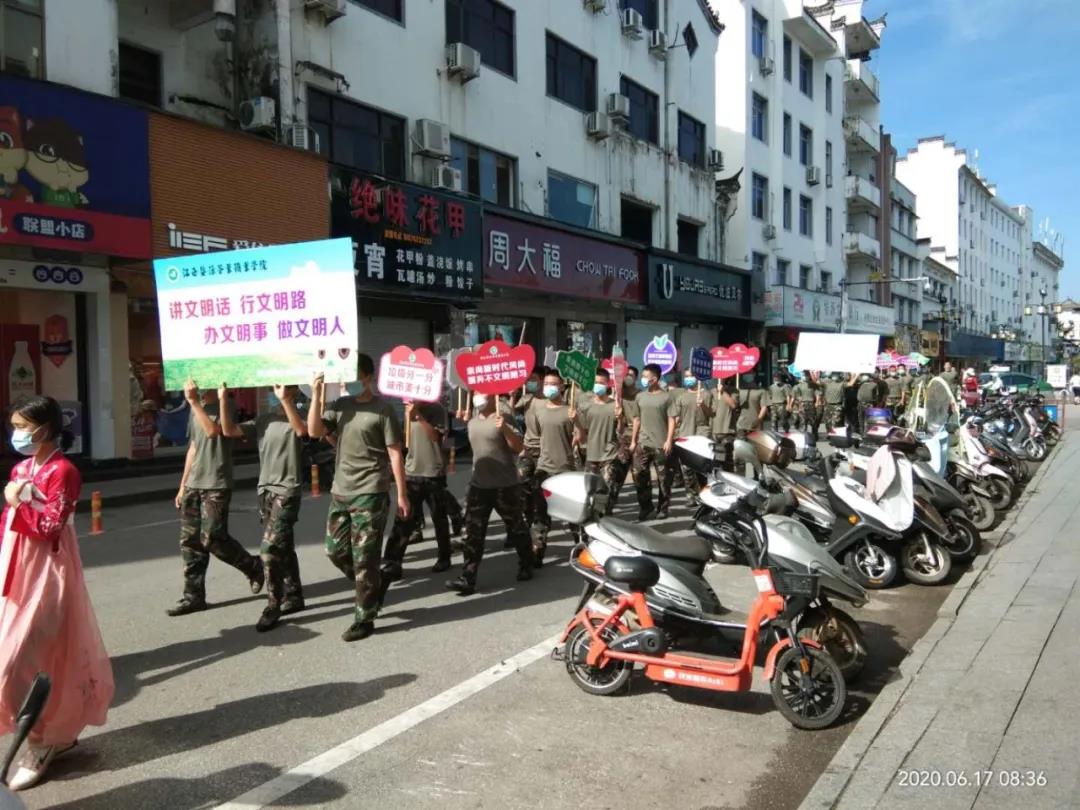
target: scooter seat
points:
(650, 541)
(811, 482)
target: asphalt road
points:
(207, 710)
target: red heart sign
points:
(496, 368)
(411, 374)
(732, 360)
(617, 367)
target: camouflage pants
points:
(508, 503)
(204, 530)
(645, 458)
(278, 514)
(611, 471)
(541, 520)
(354, 532)
(804, 416)
(778, 416)
(834, 416)
(863, 408)
(526, 466)
(431, 491)
(894, 406)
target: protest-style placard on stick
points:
(495, 368)
(729, 361)
(701, 363)
(413, 374)
(661, 351)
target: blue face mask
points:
(551, 391)
(599, 389)
(356, 388)
(644, 383)
(531, 386)
(23, 442)
(689, 382)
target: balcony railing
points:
(860, 135)
(860, 81)
(858, 245)
(862, 195)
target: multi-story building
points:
(905, 261)
(940, 313)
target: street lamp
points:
(1043, 312)
(844, 284)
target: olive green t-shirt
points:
(895, 387)
(805, 392)
(556, 438)
(279, 452)
(494, 464)
(364, 431)
(654, 409)
(834, 392)
(692, 414)
(723, 421)
(212, 467)
(750, 404)
(630, 412)
(528, 405)
(778, 394)
(868, 392)
(425, 458)
(602, 431)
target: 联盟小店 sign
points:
(546, 260)
(691, 287)
(408, 238)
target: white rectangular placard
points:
(818, 351)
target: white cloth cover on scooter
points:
(880, 474)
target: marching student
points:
(780, 402)
(601, 422)
(530, 453)
(693, 410)
(651, 443)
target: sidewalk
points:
(985, 708)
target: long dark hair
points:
(45, 412)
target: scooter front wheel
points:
(870, 565)
(966, 539)
(983, 514)
(1036, 450)
(840, 635)
(605, 680)
(925, 562)
(809, 692)
(1002, 492)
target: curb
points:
(150, 495)
(834, 780)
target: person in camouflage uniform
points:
(779, 402)
(805, 398)
(495, 444)
(868, 397)
(602, 421)
(203, 500)
(554, 421)
(627, 398)
(651, 443)
(894, 396)
(693, 416)
(835, 391)
(368, 441)
(530, 453)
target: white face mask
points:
(480, 401)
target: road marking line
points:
(270, 792)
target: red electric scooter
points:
(601, 649)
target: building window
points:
(783, 266)
(806, 216)
(787, 58)
(805, 272)
(806, 145)
(140, 75)
(828, 225)
(357, 137)
(571, 201)
(759, 118)
(757, 262)
(828, 163)
(826, 281)
(486, 26)
(636, 221)
(486, 174)
(787, 209)
(648, 9)
(759, 35)
(644, 111)
(787, 134)
(691, 140)
(759, 195)
(828, 93)
(689, 234)
(21, 37)
(806, 73)
(388, 8)
(571, 75)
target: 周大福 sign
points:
(263, 316)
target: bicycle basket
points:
(792, 584)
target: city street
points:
(207, 710)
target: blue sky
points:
(1000, 76)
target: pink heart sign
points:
(732, 360)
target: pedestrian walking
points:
(279, 432)
(651, 443)
(204, 496)
(753, 406)
(47, 621)
(780, 403)
(495, 443)
(554, 422)
(530, 453)
(894, 392)
(951, 379)
(601, 422)
(867, 397)
(805, 398)
(693, 412)
(1074, 384)
(368, 440)
(725, 412)
(628, 400)
(835, 387)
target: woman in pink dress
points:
(47, 622)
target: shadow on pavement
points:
(203, 791)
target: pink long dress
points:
(47, 622)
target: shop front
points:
(905, 340)
(563, 288)
(791, 310)
(74, 206)
(974, 351)
(694, 303)
(932, 346)
(417, 256)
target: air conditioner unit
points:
(330, 9)
(813, 175)
(597, 125)
(462, 62)
(766, 65)
(595, 6)
(618, 106)
(301, 136)
(716, 160)
(769, 231)
(432, 138)
(257, 114)
(632, 24)
(657, 44)
(446, 177)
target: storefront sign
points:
(966, 344)
(546, 260)
(204, 243)
(413, 374)
(792, 306)
(577, 367)
(1057, 375)
(409, 239)
(73, 171)
(258, 317)
(1013, 352)
(688, 287)
(734, 359)
(662, 352)
(864, 316)
(52, 276)
(701, 363)
(496, 368)
(931, 343)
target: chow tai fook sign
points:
(546, 260)
(73, 171)
(697, 288)
(408, 239)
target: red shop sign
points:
(532, 257)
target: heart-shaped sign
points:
(734, 359)
(616, 365)
(411, 374)
(495, 368)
